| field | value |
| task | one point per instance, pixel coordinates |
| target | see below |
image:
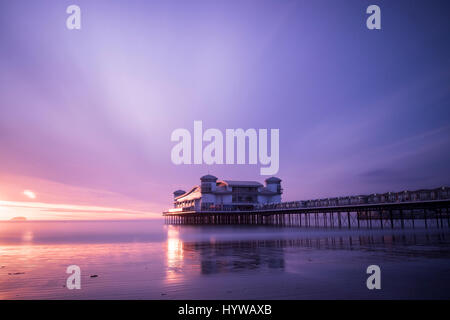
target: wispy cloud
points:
(50, 211)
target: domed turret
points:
(178, 193)
(208, 183)
(274, 184)
(273, 180)
(208, 178)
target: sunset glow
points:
(30, 194)
(59, 201)
(50, 211)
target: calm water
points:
(148, 260)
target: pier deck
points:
(412, 214)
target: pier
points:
(217, 202)
(388, 214)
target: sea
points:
(147, 259)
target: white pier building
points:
(214, 194)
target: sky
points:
(86, 115)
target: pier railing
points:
(442, 193)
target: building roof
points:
(194, 193)
(208, 177)
(273, 180)
(243, 183)
(178, 193)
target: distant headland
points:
(18, 219)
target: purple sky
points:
(86, 116)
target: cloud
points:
(48, 211)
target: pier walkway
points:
(387, 214)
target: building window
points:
(206, 187)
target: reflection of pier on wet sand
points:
(410, 214)
(242, 255)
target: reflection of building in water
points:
(228, 194)
(174, 253)
(234, 256)
(285, 255)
